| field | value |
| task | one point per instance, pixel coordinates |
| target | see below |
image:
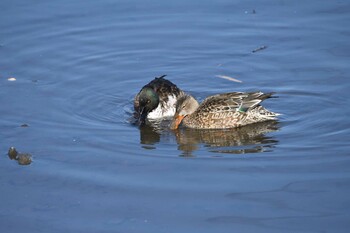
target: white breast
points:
(168, 109)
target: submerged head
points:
(148, 100)
(186, 105)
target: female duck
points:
(222, 111)
(156, 100)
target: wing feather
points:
(233, 101)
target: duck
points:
(156, 100)
(222, 111)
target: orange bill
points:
(176, 121)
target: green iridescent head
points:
(148, 101)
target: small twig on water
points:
(259, 49)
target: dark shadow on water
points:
(248, 139)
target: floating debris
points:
(259, 49)
(12, 153)
(250, 12)
(12, 79)
(22, 158)
(229, 78)
(24, 125)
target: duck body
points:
(222, 111)
(156, 100)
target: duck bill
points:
(142, 117)
(176, 121)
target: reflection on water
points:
(149, 136)
(249, 139)
(151, 132)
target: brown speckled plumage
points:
(229, 110)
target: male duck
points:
(222, 111)
(156, 100)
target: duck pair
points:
(161, 98)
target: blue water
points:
(78, 65)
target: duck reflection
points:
(149, 136)
(151, 133)
(248, 139)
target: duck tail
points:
(265, 96)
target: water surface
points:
(78, 65)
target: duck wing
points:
(233, 101)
